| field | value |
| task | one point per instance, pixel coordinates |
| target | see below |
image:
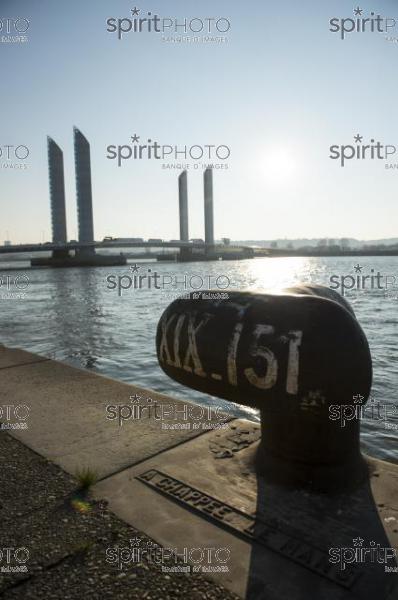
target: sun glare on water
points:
(274, 274)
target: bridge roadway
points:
(81, 245)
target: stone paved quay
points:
(67, 533)
(93, 502)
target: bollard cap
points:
(311, 289)
(268, 351)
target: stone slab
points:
(13, 357)
(68, 417)
(205, 493)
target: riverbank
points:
(320, 253)
(79, 445)
(64, 537)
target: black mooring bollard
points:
(296, 356)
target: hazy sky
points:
(279, 92)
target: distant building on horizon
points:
(83, 187)
(57, 191)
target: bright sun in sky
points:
(280, 165)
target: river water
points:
(76, 316)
